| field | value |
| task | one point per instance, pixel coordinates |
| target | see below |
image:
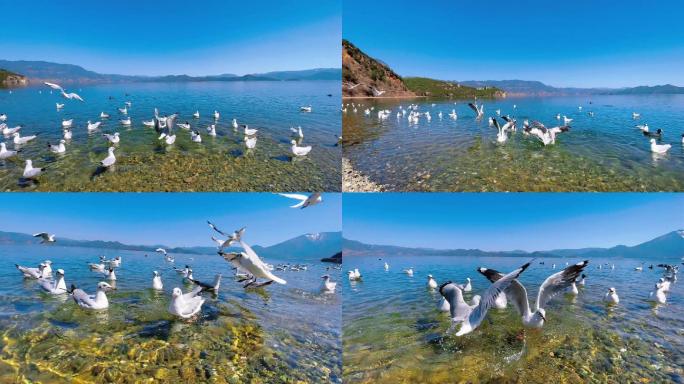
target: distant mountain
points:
(537, 88)
(646, 90)
(668, 245)
(39, 71)
(307, 247)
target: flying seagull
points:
(305, 201)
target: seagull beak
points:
(543, 317)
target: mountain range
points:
(39, 71)
(307, 247)
(668, 245)
(537, 88)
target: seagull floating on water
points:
(611, 296)
(96, 302)
(431, 282)
(328, 286)
(113, 138)
(30, 172)
(20, 140)
(6, 153)
(300, 151)
(186, 305)
(56, 287)
(32, 273)
(659, 148)
(57, 148)
(156, 281)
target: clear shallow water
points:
(275, 334)
(393, 331)
(217, 164)
(601, 153)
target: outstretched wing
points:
(489, 296)
(215, 228)
(516, 292)
(558, 282)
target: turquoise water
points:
(601, 153)
(222, 163)
(393, 331)
(281, 333)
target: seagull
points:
(19, 140)
(99, 301)
(112, 138)
(156, 281)
(185, 125)
(206, 287)
(409, 271)
(467, 287)
(212, 130)
(183, 271)
(386, 266)
(216, 115)
(101, 268)
(110, 159)
(250, 131)
(432, 284)
(328, 286)
(659, 148)
(659, 295)
(546, 135)
(657, 133)
(3, 117)
(126, 121)
(376, 92)
(6, 153)
(45, 237)
(7, 131)
(104, 115)
(195, 137)
(94, 126)
(479, 111)
(354, 275)
(53, 86)
(110, 274)
(168, 139)
(196, 115)
(611, 296)
(566, 120)
(582, 281)
(72, 95)
(251, 262)
(501, 136)
(452, 294)
(232, 237)
(643, 127)
(453, 114)
(636, 115)
(305, 201)
(59, 106)
(56, 287)
(186, 305)
(474, 318)
(116, 263)
(30, 172)
(33, 273)
(297, 131)
(554, 284)
(124, 110)
(67, 134)
(235, 124)
(300, 151)
(250, 142)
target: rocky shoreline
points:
(355, 181)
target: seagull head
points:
(155, 273)
(429, 276)
(48, 262)
(611, 290)
(541, 313)
(325, 277)
(293, 142)
(177, 292)
(60, 272)
(102, 286)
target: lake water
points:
(222, 163)
(601, 153)
(280, 333)
(394, 333)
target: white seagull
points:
(30, 172)
(186, 305)
(250, 142)
(300, 151)
(156, 281)
(611, 296)
(93, 126)
(304, 200)
(19, 140)
(57, 148)
(56, 287)
(113, 138)
(659, 148)
(98, 301)
(432, 284)
(328, 286)
(6, 153)
(110, 159)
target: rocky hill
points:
(364, 76)
(10, 79)
(361, 73)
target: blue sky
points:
(499, 221)
(174, 219)
(582, 43)
(158, 37)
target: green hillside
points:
(446, 89)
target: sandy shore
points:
(355, 181)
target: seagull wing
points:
(75, 96)
(54, 86)
(458, 308)
(83, 299)
(42, 235)
(474, 107)
(489, 296)
(295, 196)
(558, 282)
(260, 264)
(215, 228)
(161, 250)
(516, 292)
